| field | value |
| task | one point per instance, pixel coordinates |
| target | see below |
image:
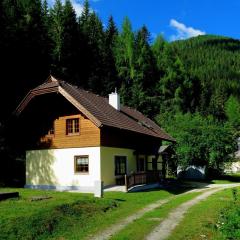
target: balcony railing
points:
(140, 178)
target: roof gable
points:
(97, 109)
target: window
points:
(154, 164)
(141, 164)
(72, 126)
(81, 164)
(120, 165)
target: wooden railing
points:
(142, 178)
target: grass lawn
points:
(140, 228)
(68, 215)
(201, 220)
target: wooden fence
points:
(142, 178)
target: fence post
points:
(126, 182)
(98, 189)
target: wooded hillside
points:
(198, 78)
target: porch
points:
(135, 188)
(127, 182)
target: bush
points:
(229, 221)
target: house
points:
(76, 138)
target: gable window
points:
(120, 165)
(81, 164)
(72, 126)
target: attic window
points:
(72, 126)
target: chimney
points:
(114, 100)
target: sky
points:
(174, 19)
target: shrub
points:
(229, 220)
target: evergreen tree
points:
(57, 31)
(124, 55)
(143, 88)
(85, 15)
(170, 85)
(216, 106)
(96, 54)
(70, 48)
(158, 52)
(92, 31)
(111, 79)
(232, 110)
(23, 48)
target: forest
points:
(190, 87)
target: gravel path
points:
(164, 229)
(109, 232)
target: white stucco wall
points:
(54, 168)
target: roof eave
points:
(57, 89)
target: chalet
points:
(76, 138)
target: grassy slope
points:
(67, 215)
(75, 215)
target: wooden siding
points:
(89, 134)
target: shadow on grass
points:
(119, 200)
(231, 178)
(175, 186)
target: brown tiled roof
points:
(97, 109)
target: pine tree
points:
(85, 15)
(232, 111)
(23, 52)
(217, 102)
(56, 31)
(158, 52)
(45, 13)
(171, 84)
(111, 79)
(70, 47)
(143, 89)
(94, 51)
(124, 55)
